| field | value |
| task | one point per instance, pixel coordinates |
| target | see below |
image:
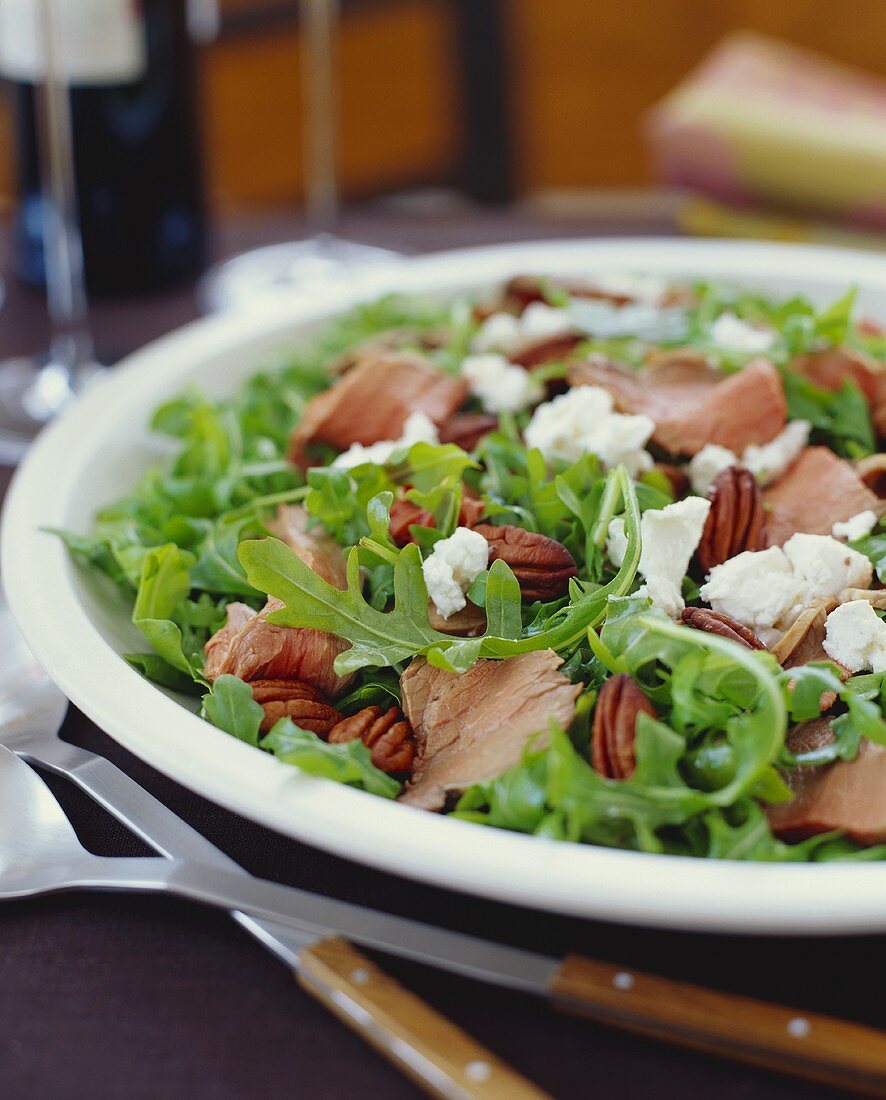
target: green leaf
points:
(840, 419)
(383, 638)
(503, 615)
(165, 583)
(427, 464)
(231, 707)
(377, 637)
(713, 684)
(348, 763)
(154, 668)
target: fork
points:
(438, 1056)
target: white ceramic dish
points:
(77, 628)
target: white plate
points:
(77, 627)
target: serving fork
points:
(440, 1057)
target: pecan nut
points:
(387, 735)
(724, 626)
(304, 704)
(735, 521)
(542, 565)
(620, 702)
(466, 430)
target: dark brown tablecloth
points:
(104, 996)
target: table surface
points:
(117, 996)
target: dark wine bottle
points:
(131, 65)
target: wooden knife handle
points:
(803, 1044)
(438, 1056)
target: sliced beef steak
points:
(693, 404)
(819, 490)
(474, 726)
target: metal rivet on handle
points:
(360, 976)
(799, 1027)
(623, 980)
(478, 1071)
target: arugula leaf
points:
(502, 602)
(388, 637)
(377, 637)
(338, 499)
(427, 464)
(154, 668)
(348, 763)
(841, 419)
(165, 583)
(231, 707)
(712, 684)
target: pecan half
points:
(735, 521)
(466, 430)
(619, 704)
(305, 705)
(543, 566)
(715, 622)
(386, 734)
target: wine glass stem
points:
(319, 19)
(72, 344)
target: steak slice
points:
(474, 726)
(693, 404)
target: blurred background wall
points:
(499, 97)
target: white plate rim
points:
(663, 891)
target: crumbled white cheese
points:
(856, 527)
(582, 421)
(710, 461)
(501, 386)
(766, 462)
(767, 589)
(643, 288)
(668, 539)
(617, 540)
(732, 334)
(855, 637)
(506, 333)
(499, 332)
(770, 460)
(663, 594)
(417, 429)
(452, 567)
(825, 566)
(756, 588)
(540, 320)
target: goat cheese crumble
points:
(452, 567)
(856, 527)
(417, 429)
(730, 333)
(582, 421)
(506, 333)
(500, 386)
(669, 537)
(650, 289)
(766, 461)
(855, 637)
(767, 589)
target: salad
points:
(598, 560)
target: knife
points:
(440, 1057)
